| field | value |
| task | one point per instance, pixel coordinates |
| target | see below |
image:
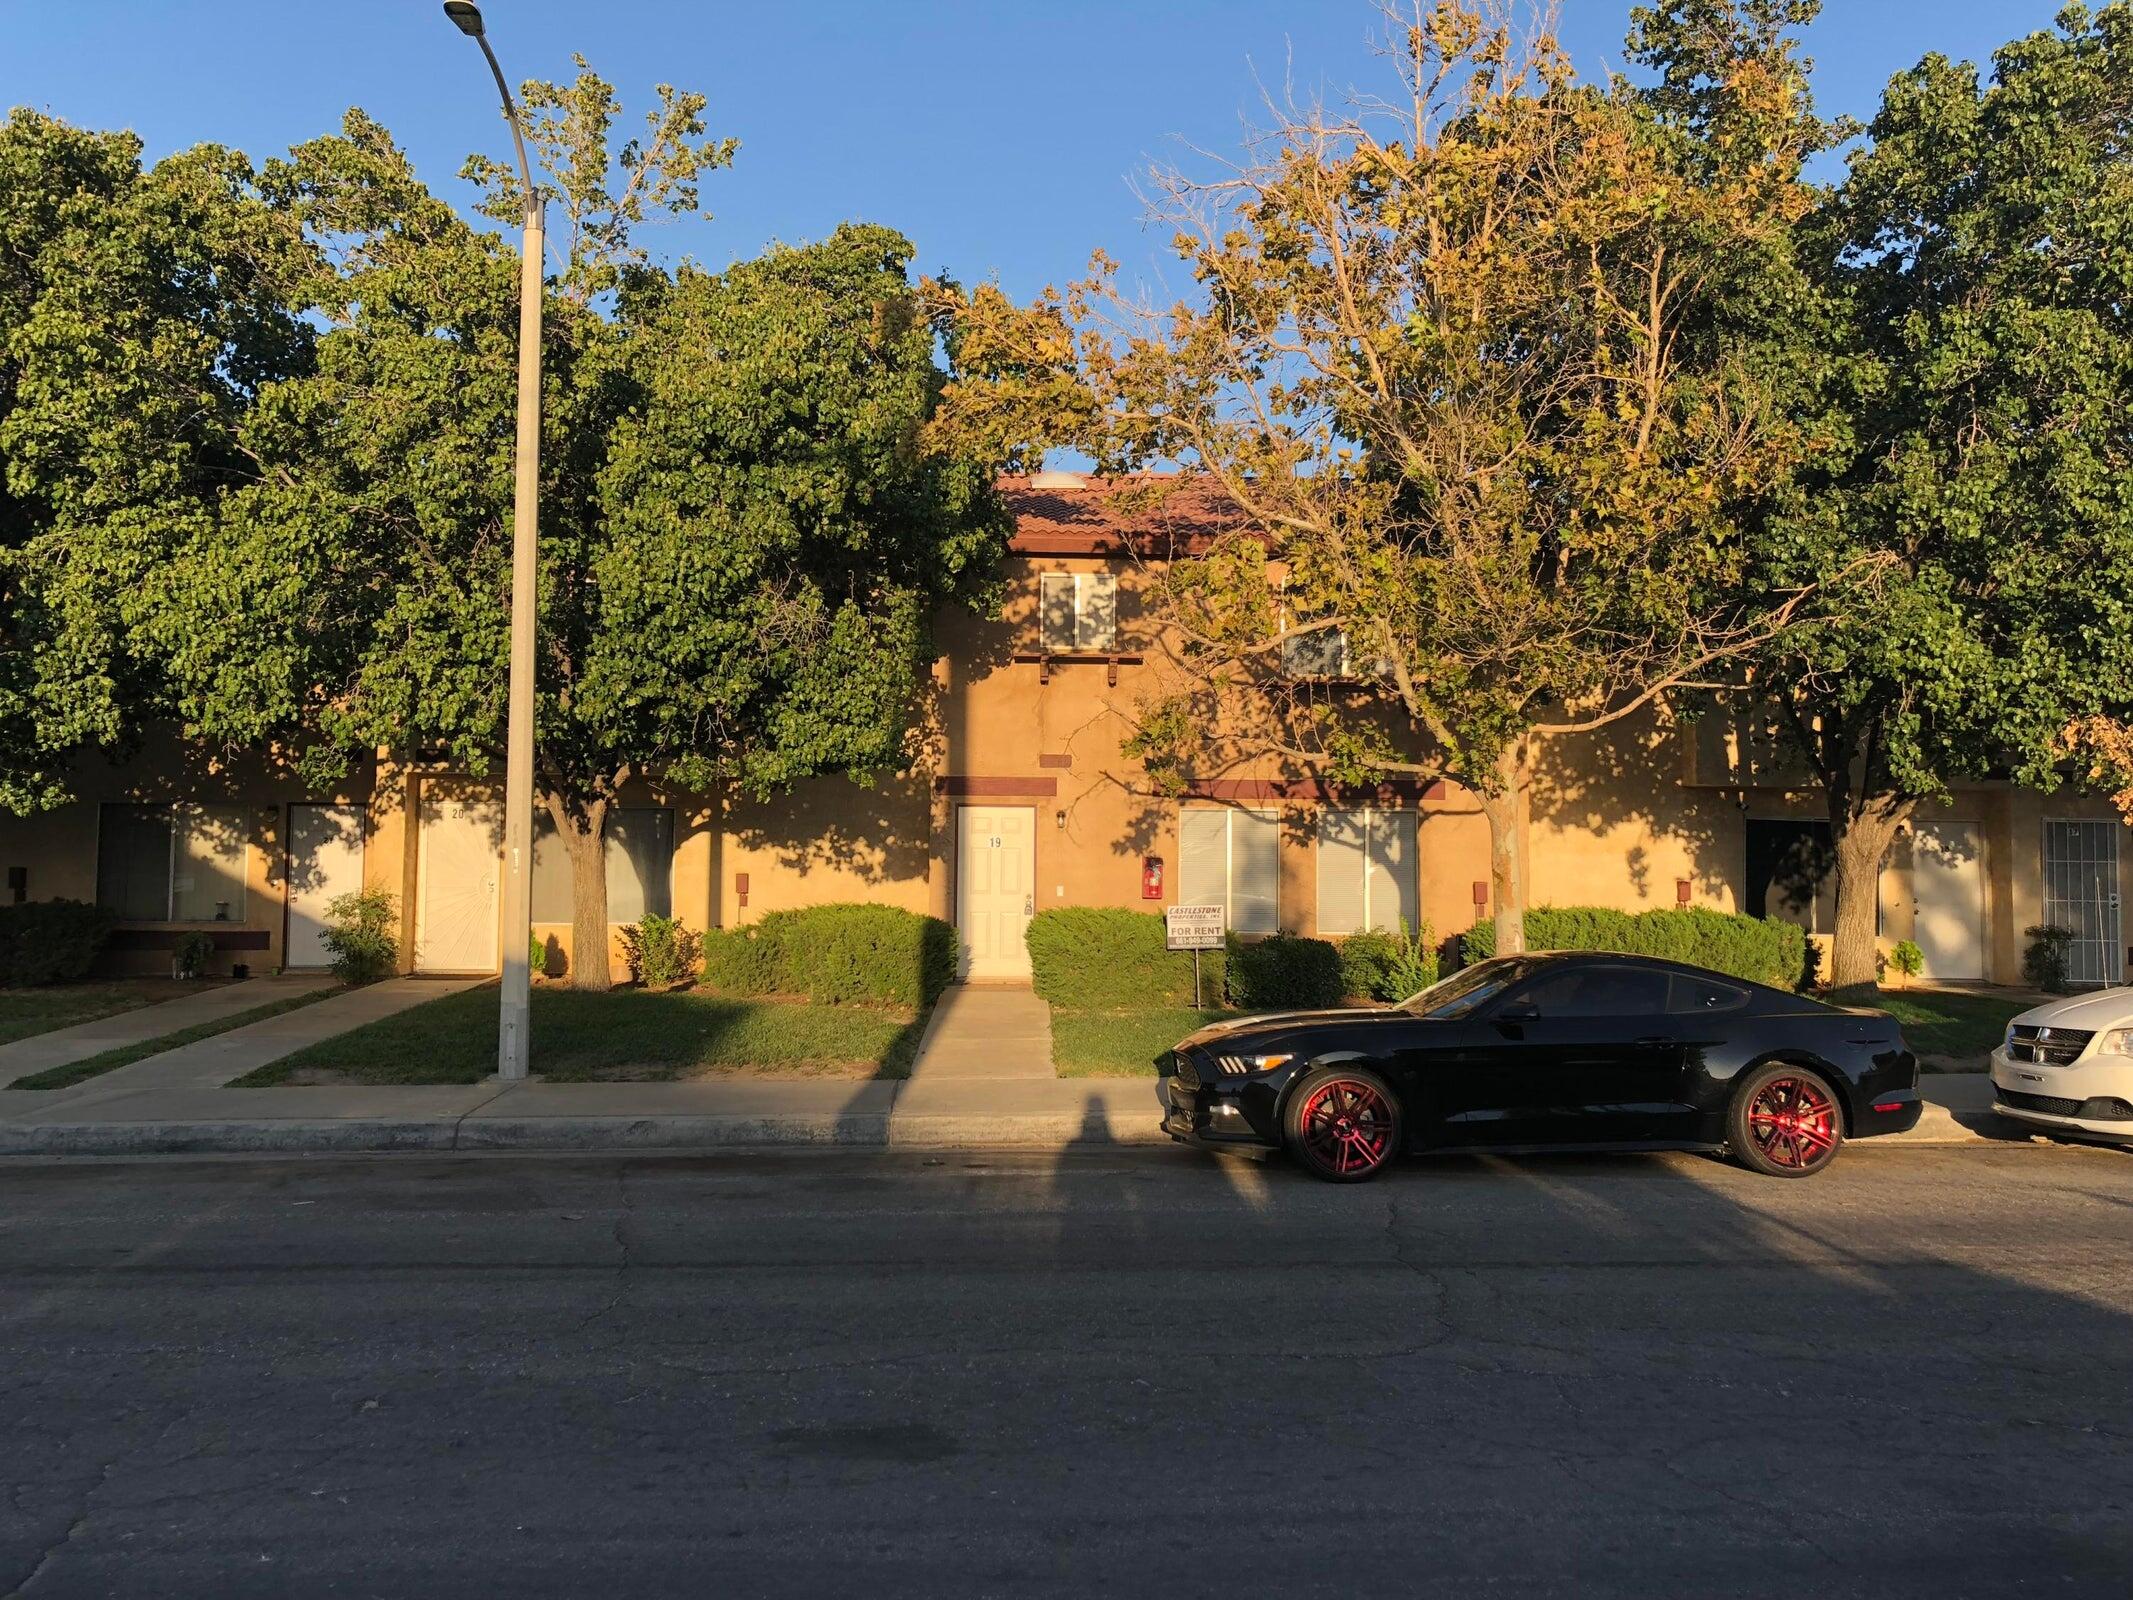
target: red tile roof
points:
(1147, 514)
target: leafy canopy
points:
(1960, 335)
(141, 312)
(1453, 361)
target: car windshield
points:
(1467, 990)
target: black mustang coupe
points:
(1551, 1052)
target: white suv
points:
(2069, 1065)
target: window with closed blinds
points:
(1232, 859)
(640, 857)
(1366, 872)
(1078, 612)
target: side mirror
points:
(1519, 1011)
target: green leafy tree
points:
(1454, 363)
(141, 311)
(748, 516)
(1959, 334)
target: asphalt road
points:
(1139, 1372)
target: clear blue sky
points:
(1000, 135)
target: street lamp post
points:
(513, 1015)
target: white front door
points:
(996, 889)
(325, 862)
(1948, 888)
(457, 864)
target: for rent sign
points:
(1194, 927)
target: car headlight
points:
(2116, 1042)
(1244, 1066)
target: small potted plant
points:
(192, 956)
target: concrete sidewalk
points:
(62, 1047)
(739, 1112)
(986, 1031)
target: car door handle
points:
(1657, 1038)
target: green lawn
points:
(1949, 1022)
(127, 1054)
(26, 1012)
(1121, 1044)
(621, 1035)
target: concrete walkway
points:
(64, 1046)
(986, 1031)
(208, 1064)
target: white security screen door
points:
(1948, 888)
(2081, 894)
(996, 889)
(325, 861)
(458, 861)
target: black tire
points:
(1785, 1122)
(1343, 1124)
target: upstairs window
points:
(1232, 859)
(1078, 613)
(1321, 653)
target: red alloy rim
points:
(1347, 1126)
(1793, 1122)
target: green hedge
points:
(1760, 949)
(835, 954)
(1283, 972)
(50, 941)
(1109, 958)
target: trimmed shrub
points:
(1387, 966)
(362, 935)
(50, 941)
(739, 961)
(661, 952)
(1282, 972)
(1110, 958)
(1760, 949)
(2046, 963)
(836, 954)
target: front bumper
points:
(1234, 1111)
(2091, 1098)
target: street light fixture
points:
(513, 1017)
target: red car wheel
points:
(1344, 1124)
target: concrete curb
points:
(235, 1138)
(587, 1134)
(563, 1134)
(669, 1133)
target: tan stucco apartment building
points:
(1022, 798)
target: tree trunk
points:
(1861, 841)
(584, 836)
(1505, 808)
